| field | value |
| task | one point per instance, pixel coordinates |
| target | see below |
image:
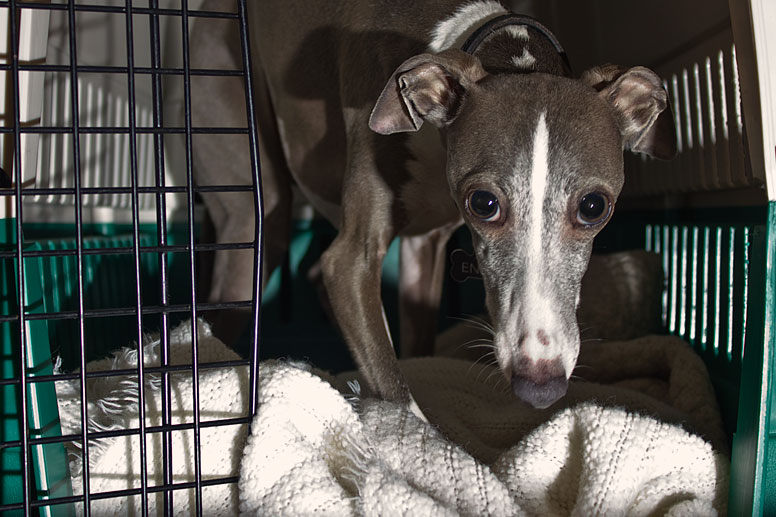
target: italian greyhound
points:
(404, 118)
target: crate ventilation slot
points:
(706, 270)
(706, 101)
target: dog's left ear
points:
(427, 87)
(641, 104)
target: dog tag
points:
(463, 266)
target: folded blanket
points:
(311, 452)
(314, 448)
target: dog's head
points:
(534, 162)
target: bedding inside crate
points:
(306, 427)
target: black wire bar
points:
(122, 130)
(192, 270)
(132, 431)
(136, 256)
(161, 226)
(124, 250)
(117, 9)
(128, 311)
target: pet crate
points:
(102, 232)
(100, 221)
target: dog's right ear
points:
(425, 87)
(641, 106)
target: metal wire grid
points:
(30, 503)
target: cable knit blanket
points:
(316, 446)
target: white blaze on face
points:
(539, 315)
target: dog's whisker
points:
(491, 353)
(476, 323)
(581, 367)
(478, 340)
(476, 317)
(486, 347)
(501, 384)
(487, 379)
(465, 344)
(494, 371)
(482, 344)
(483, 322)
(481, 365)
(492, 365)
(476, 343)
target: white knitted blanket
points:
(608, 449)
(312, 452)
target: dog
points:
(409, 119)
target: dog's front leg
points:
(421, 278)
(351, 273)
(351, 269)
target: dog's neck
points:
(504, 42)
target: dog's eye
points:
(484, 205)
(594, 208)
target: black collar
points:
(477, 37)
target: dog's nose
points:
(539, 383)
(540, 395)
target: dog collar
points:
(477, 37)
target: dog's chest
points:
(426, 197)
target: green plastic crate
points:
(50, 475)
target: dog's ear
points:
(425, 87)
(641, 103)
